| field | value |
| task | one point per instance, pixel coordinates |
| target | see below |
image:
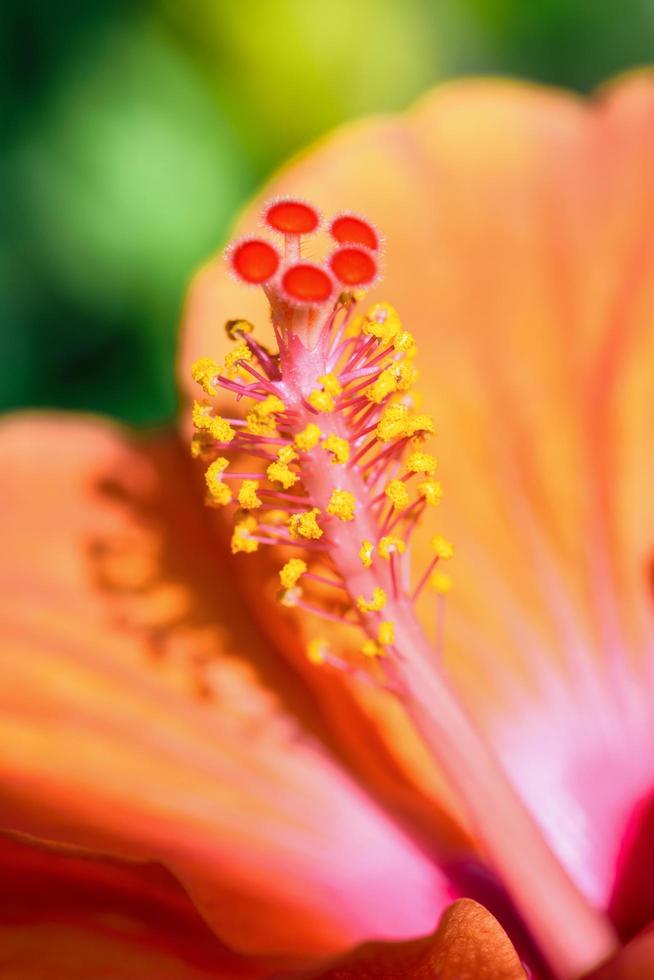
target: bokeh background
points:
(133, 130)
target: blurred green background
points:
(133, 130)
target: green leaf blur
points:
(132, 133)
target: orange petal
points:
(469, 944)
(141, 715)
(72, 918)
(520, 250)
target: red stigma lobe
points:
(348, 229)
(255, 261)
(307, 283)
(292, 217)
(353, 266)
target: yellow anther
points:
(386, 633)
(259, 425)
(305, 525)
(317, 651)
(404, 342)
(236, 328)
(421, 425)
(270, 405)
(286, 454)
(397, 411)
(221, 495)
(247, 495)
(421, 463)
(393, 422)
(202, 446)
(405, 375)
(441, 582)
(291, 572)
(330, 384)
(341, 504)
(385, 385)
(366, 552)
(321, 400)
(261, 417)
(432, 491)
(442, 547)
(382, 321)
(219, 465)
(232, 360)
(220, 492)
(221, 430)
(217, 427)
(338, 447)
(241, 537)
(308, 438)
(371, 649)
(377, 602)
(389, 545)
(397, 493)
(204, 371)
(280, 473)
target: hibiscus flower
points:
(186, 793)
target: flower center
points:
(335, 466)
(330, 465)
